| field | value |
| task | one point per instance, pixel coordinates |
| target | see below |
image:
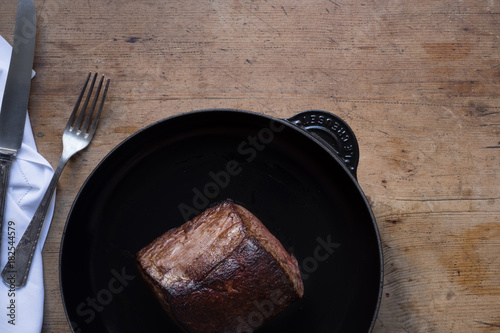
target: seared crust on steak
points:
(213, 273)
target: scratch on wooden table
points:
(487, 324)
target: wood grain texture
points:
(418, 82)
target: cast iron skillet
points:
(296, 175)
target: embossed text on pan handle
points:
(334, 132)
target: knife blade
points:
(16, 95)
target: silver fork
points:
(76, 136)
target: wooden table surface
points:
(418, 82)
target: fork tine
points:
(92, 108)
(96, 119)
(85, 104)
(77, 105)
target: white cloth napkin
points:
(21, 310)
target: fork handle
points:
(16, 271)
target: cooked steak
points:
(222, 271)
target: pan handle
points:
(333, 132)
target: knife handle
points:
(5, 163)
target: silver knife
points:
(16, 94)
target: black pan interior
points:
(162, 175)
